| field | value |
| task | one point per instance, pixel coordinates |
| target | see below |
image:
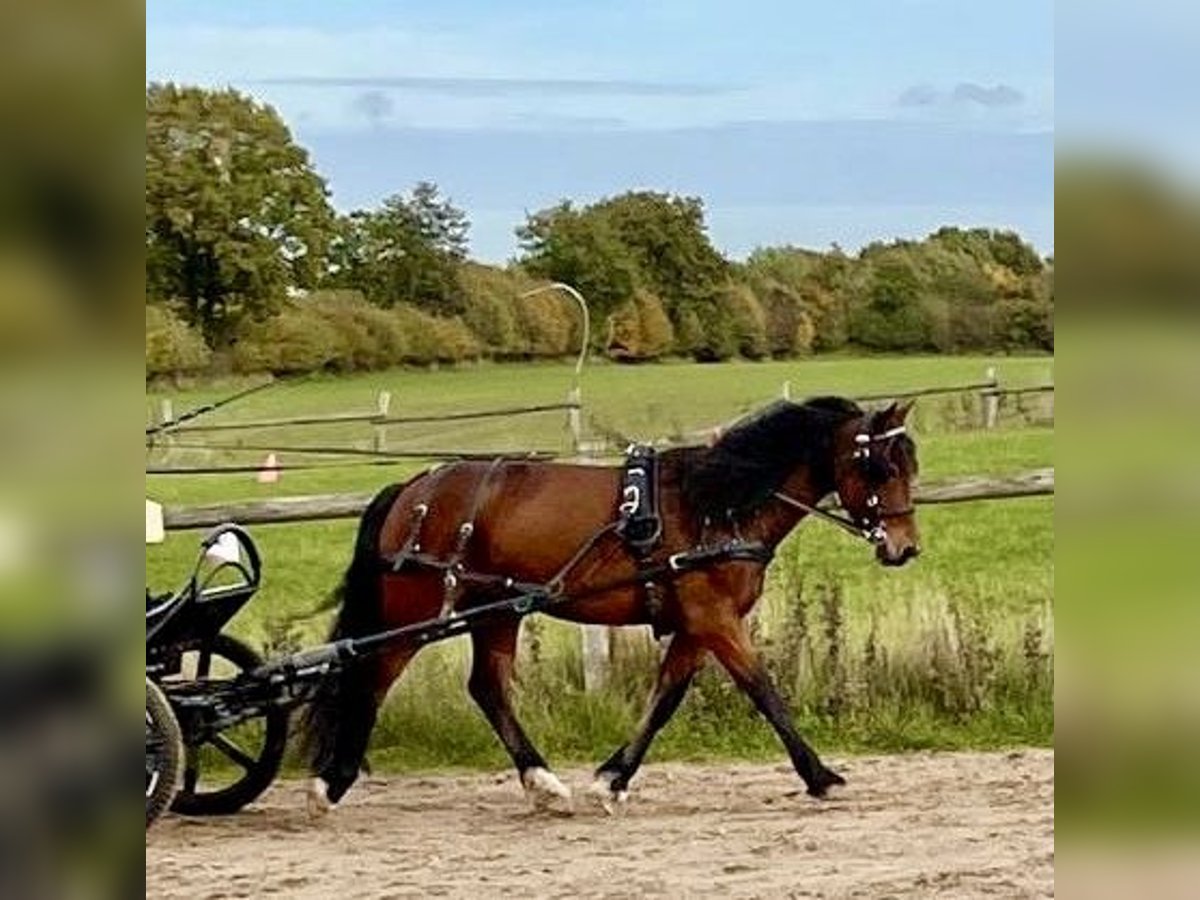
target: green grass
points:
(953, 664)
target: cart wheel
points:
(231, 768)
(164, 752)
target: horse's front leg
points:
(683, 658)
(731, 644)
(493, 651)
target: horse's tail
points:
(337, 724)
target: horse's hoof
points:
(602, 793)
(545, 791)
(317, 800)
(829, 786)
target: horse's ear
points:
(895, 413)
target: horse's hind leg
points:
(494, 649)
(683, 659)
(360, 695)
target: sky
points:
(804, 124)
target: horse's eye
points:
(879, 471)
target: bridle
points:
(871, 525)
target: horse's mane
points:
(752, 460)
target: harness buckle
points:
(676, 560)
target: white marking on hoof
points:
(317, 801)
(601, 793)
(544, 790)
(833, 792)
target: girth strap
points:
(731, 551)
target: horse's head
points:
(876, 463)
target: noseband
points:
(870, 526)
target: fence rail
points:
(378, 417)
(982, 386)
(320, 507)
(175, 434)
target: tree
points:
(235, 213)
(579, 248)
(641, 239)
(666, 238)
(889, 314)
(407, 251)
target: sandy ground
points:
(949, 824)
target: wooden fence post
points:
(596, 656)
(991, 399)
(165, 440)
(575, 397)
(383, 401)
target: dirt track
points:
(952, 824)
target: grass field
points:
(955, 650)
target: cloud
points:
(495, 87)
(919, 95)
(966, 93)
(997, 95)
(374, 106)
(560, 122)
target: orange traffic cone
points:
(269, 473)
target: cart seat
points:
(160, 608)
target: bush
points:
(747, 320)
(1025, 323)
(658, 335)
(547, 323)
(641, 329)
(453, 340)
(432, 339)
(718, 340)
(689, 332)
(297, 339)
(367, 337)
(625, 335)
(340, 331)
(172, 346)
(490, 307)
(789, 325)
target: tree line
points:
(249, 267)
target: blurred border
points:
(1127, 243)
(71, 283)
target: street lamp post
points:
(583, 309)
(596, 638)
(575, 395)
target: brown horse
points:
(518, 523)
